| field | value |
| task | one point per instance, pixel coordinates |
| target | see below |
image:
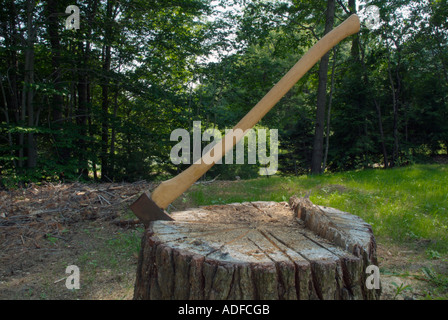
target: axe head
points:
(147, 210)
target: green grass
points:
(112, 251)
(406, 205)
(439, 285)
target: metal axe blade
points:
(147, 210)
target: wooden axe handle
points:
(169, 190)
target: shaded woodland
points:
(99, 103)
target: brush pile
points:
(41, 212)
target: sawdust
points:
(250, 214)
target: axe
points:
(151, 207)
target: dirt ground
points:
(47, 228)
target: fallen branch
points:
(101, 197)
(208, 182)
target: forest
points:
(98, 103)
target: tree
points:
(316, 161)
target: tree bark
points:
(105, 121)
(395, 93)
(257, 251)
(81, 119)
(57, 106)
(28, 92)
(316, 161)
(113, 135)
(5, 110)
(380, 126)
(11, 92)
(105, 93)
(330, 103)
(53, 32)
(355, 42)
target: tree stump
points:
(257, 251)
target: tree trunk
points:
(11, 92)
(82, 113)
(53, 32)
(355, 42)
(257, 251)
(62, 153)
(395, 93)
(380, 126)
(105, 122)
(28, 92)
(5, 110)
(330, 103)
(316, 161)
(105, 94)
(113, 135)
(93, 6)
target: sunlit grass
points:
(407, 205)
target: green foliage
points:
(104, 99)
(128, 243)
(433, 254)
(91, 118)
(438, 282)
(399, 289)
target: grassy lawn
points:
(405, 205)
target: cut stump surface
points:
(257, 251)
